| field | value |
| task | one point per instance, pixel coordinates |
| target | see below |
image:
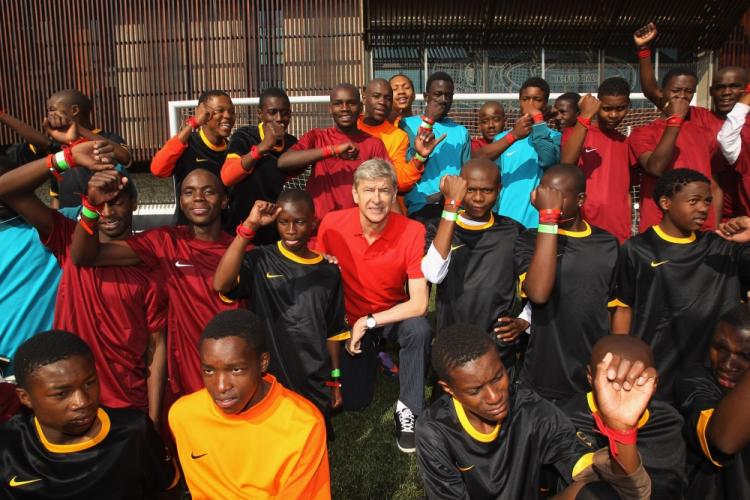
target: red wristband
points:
(510, 138)
(627, 437)
(52, 166)
(86, 227)
(549, 215)
(586, 122)
(428, 120)
(255, 154)
(644, 53)
(328, 152)
(675, 121)
(538, 118)
(68, 156)
(193, 123)
(245, 232)
(94, 208)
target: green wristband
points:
(547, 228)
(60, 161)
(336, 373)
(449, 216)
(420, 158)
(89, 214)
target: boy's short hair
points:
(572, 171)
(238, 323)
(438, 76)
(679, 71)
(572, 98)
(457, 345)
(296, 196)
(44, 349)
(537, 82)
(270, 93)
(672, 182)
(75, 96)
(615, 86)
(208, 94)
(402, 76)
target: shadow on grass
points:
(365, 461)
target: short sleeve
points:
(159, 469)
(441, 478)
(156, 304)
(336, 312)
(149, 246)
(625, 277)
(59, 239)
(307, 141)
(240, 143)
(524, 251)
(641, 141)
(415, 252)
(244, 287)
(559, 444)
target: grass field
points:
(365, 461)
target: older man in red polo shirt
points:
(379, 252)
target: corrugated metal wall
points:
(132, 56)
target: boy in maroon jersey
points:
(119, 312)
(186, 257)
(602, 153)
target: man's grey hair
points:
(374, 169)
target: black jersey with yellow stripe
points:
(565, 328)
(481, 281)
(677, 289)
(711, 473)
(301, 302)
(126, 460)
(660, 441)
(200, 153)
(265, 183)
(458, 461)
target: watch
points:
(370, 323)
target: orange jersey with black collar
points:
(275, 449)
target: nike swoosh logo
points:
(589, 150)
(198, 160)
(271, 276)
(182, 264)
(456, 247)
(510, 153)
(465, 469)
(14, 483)
(194, 456)
(657, 263)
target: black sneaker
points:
(405, 439)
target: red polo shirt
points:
(693, 149)
(330, 182)
(478, 143)
(605, 160)
(374, 275)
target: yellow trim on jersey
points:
(576, 234)
(341, 336)
(484, 226)
(225, 299)
(289, 255)
(85, 445)
(233, 155)
(208, 143)
(701, 429)
(680, 241)
(32, 148)
(470, 430)
(617, 303)
(585, 461)
(521, 279)
(592, 406)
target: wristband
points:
(60, 162)
(255, 153)
(549, 215)
(538, 118)
(675, 121)
(245, 232)
(420, 158)
(450, 203)
(328, 152)
(547, 228)
(627, 437)
(644, 53)
(449, 216)
(68, 155)
(428, 121)
(333, 383)
(93, 210)
(336, 373)
(89, 214)
(193, 123)
(52, 167)
(510, 138)
(86, 227)
(586, 122)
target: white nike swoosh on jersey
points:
(589, 150)
(182, 264)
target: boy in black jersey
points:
(67, 446)
(488, 439)
(470, 257)
(715, 401)
(250, 169)
(201, 143)
(297, 293)
(567, 275)
(660, 440)
(674, 281)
